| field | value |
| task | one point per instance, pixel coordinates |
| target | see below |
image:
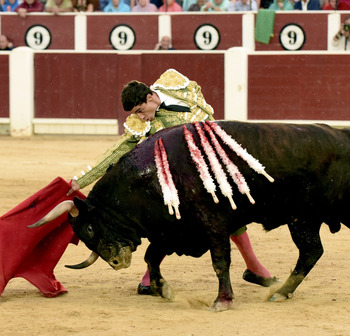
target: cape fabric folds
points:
(33, 253)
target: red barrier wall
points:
(4, 86)
(310, 87)
(75, 85)
(314, 24)
(185, 26)
(60, 27)
(145, 27)
(100, 27)
(89, 85)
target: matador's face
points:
(147, 111)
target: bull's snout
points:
(122, 259)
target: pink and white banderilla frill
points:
(169, 191)
(171, 198)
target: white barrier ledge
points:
(236, 79)
(76, 126)
(21, 91)
(4, 126)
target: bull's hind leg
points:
(306, 237)
(221, 258)
(159, 286)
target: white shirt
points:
(304, 4)
(167, 100)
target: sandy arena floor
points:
(102, 301)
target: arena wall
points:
(73, 86)
(188, 30)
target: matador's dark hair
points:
(134, 93)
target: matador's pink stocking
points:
(245, 248)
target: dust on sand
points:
(102, 301)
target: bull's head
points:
(86, 221)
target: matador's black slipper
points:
(259, 280)
(144, 290)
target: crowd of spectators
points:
(22, 7)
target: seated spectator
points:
(215, 6)
(157, 3)
(281, 5)
(186, 4)
(196, 7)
(58, 6)
(336, 5)
(144, 6)
(164, 44)
(307, 5)
(96, 4)
(9, 5)
(117, 6)
(103, 4)
(170, 6)
(29, 6)
(265, 4)
(341, 39)
(83, 6)
(5, 44)
(242, 6)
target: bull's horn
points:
(61, 208)
(89, 261)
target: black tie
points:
(175, 108)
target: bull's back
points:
(308, 162)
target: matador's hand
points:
(74, 187)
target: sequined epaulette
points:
(137, 127)
(171, 80)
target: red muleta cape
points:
(34, 253)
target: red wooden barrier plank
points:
(99, 28)
(184, 28)
(4, 86)
(89, 85)
(315, 26)
(298, 87)
(61, 29)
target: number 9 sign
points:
(292, 37)
(207, 37)
(122, 37)
(38, 37)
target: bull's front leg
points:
(221, 258)
(306, 237)
(159, 286)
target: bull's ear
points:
(82, 205)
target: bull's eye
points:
(90, 231)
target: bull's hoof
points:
(220, 306)
(167, 292)
(278, 297)
(259, 280)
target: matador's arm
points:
(125, 144)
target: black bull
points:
(309, 163)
